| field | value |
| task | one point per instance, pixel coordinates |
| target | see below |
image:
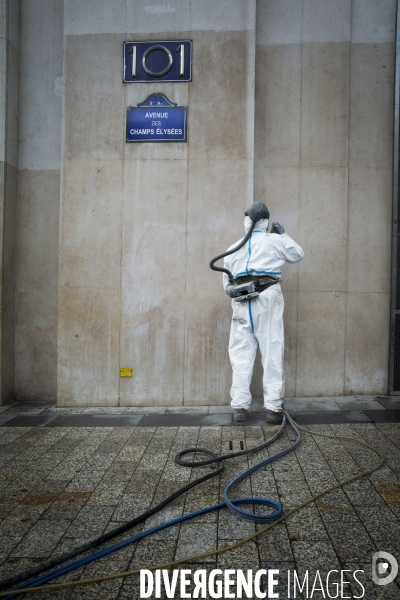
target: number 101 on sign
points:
(161, 60)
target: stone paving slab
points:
(331, 417)
(312, 404)
(95, 420)
(186, 419)
(187, 409)
(360, 403)
(27, 420)
(389, 401)
(386, 416)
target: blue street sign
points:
(157, 61)
(156, 120)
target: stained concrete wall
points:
(139, 223)
(9, 64)
(291, 102)
(323, 148)
(39, 162)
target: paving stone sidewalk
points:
(61, 486)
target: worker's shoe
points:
(239, 415)
(274, 417)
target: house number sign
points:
(159, 61)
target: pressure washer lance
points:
(249, 286)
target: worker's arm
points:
(290, 251)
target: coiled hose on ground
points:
(29, 585)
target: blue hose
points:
(233, 506)
(260, 518)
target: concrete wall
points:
(9, 64)
(139, 223)
(39, 162)
(291, 102)
(323, 161)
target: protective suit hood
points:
(261, 225)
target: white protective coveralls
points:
(259, 322)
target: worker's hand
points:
(277, 228)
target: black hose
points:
(53, 562)
(186, 463)
(57, 560)
(233, 505)
(235, 249)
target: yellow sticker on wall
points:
(125, 372)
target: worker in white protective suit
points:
(258, 322)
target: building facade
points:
(106, 244)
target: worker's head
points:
(257, 211)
